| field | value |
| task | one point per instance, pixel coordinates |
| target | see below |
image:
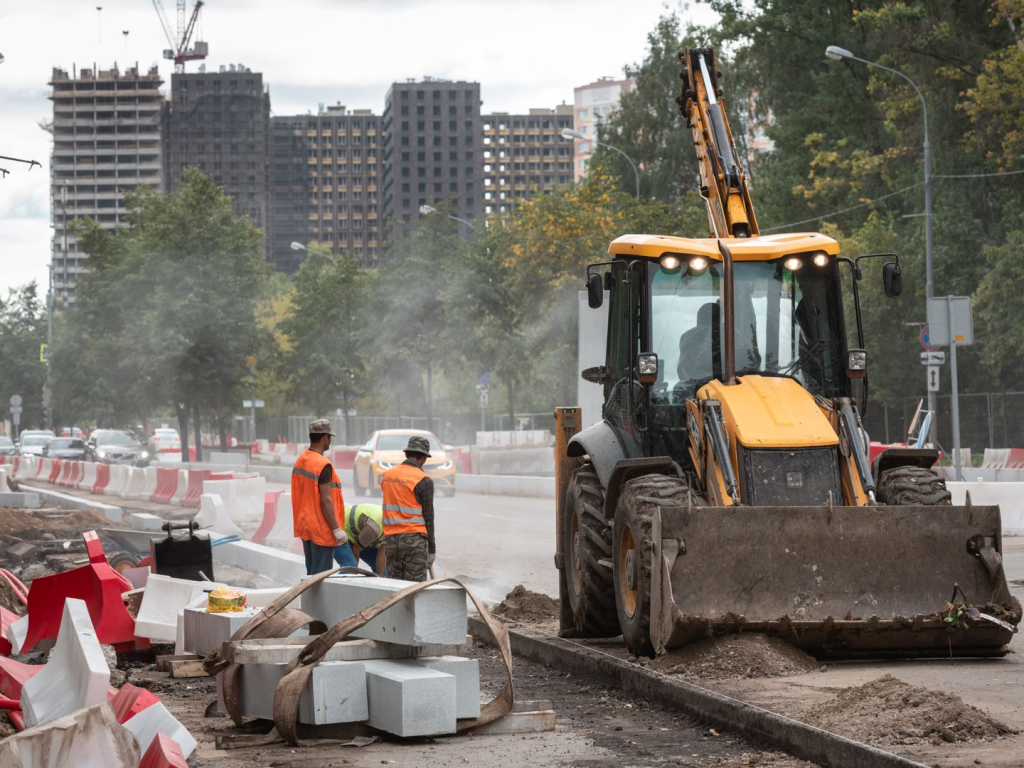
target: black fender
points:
(903, 457)
(598, 441)
(627, 469)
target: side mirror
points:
(595, 290)
(892, 279)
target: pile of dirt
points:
(890, 711)
(528, 607)
(736, 656)
(19, 520)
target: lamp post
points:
(570, 134)
(300, 247)
(426, 210)
(836, 53)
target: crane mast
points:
(723, 185)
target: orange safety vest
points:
(307, 519)
(402, 513)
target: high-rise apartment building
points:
(523, 154)
(219, 122)
(106, 141)
(325, 182)
(594, 103)
(432, 150)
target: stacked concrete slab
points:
(402, 675)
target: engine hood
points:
(771, 412)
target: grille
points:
(798, 478)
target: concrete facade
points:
(593, 103)
(524, 154)
(219, 122)
(106, 141)
(432, 150)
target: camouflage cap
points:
(320, 427)
(418, 444)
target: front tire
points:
(633, 550)
(912, 486)
(588, 547)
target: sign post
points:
(483, 387)
(951, 322)
(252, 405)
(926, 342)
(16, 413)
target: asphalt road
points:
(491, 542)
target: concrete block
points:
(16, 634)
(336, 692)
(182, 488)
(435, 615)
(205, 632)
(21, 500)
(283, 533)
(156, 719)
(409, 700)
(283, 650)
(213, 514)
(88, 738)
(133, 485)
(76, 675)
(282, 567)
(144, 521)
(254, 598)
(20, 550)
(467, 681)
(88, 478)
(149, 488)
(163, 599)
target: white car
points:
(165, 439)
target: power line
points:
(893, 194)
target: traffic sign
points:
(926, 340)
(933, 378)
(249, 404)
(15, 400)
(945, 312)
(44, 353)
(933, 358)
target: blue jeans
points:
(318, 558)
(344, 556)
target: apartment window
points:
(420, 109)
(420, 95)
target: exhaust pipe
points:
(727, 311)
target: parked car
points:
(71, 448)
(7, 447)
(72, 432)
(33, 443)
(164, 439)
(115, 446)
(386, 448)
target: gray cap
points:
(369, 533)
(418, 444)
(320, 427)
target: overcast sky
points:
(527, 53)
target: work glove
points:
(430, 559)
(340, 536)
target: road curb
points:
(792, 736)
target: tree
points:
(22, 330)
(326, 333)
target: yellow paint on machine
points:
(771, 412)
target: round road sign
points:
(926, 340)
(15, 400)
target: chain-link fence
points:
(987, 420)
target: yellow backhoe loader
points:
(727, 487)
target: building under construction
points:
(106, 141)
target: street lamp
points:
(836, 53)
(426, 210)
(570, 134)
(301, 247)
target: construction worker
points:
(409, 514)
(364, 526)
(317, 500)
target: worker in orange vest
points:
(317, 503)
(409, 514)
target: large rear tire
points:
(912, 486)
(634, 550)
(587, 538)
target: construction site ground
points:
(597, 726)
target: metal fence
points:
(987, 420)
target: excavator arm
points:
(722, 182)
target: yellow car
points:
(386, 448)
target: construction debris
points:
(745, 655)
(527, 607)
(88, 738)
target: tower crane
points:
(179, 52)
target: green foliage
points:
(22, 330)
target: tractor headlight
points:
(647, 367)
(820, 259)
(697, 265)
(669, 262)
(792, 263)
(857, 363)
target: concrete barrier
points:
(150, 487)
(502, 485)
(88, 477)
(132, 489)
(182, 489)
(283, 532)
(983, 474)
(283, 567)
(1008, 496)
(54, 498)
(269, 516)
(212, 514)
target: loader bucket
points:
(839, 582)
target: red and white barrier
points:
(166, 485)
(283, 533)
(179, 494)
(195, 487)
(88, 477)
(150, 487)
(54, 471)
(269, 516)
(102, 478)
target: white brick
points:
(435, 615)
(467, 681)
(409, 700)
(205, 632)
(335, 692)
(281, 567)
(156, 719)
(163, 599)
(76, 675)
(143, 521)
